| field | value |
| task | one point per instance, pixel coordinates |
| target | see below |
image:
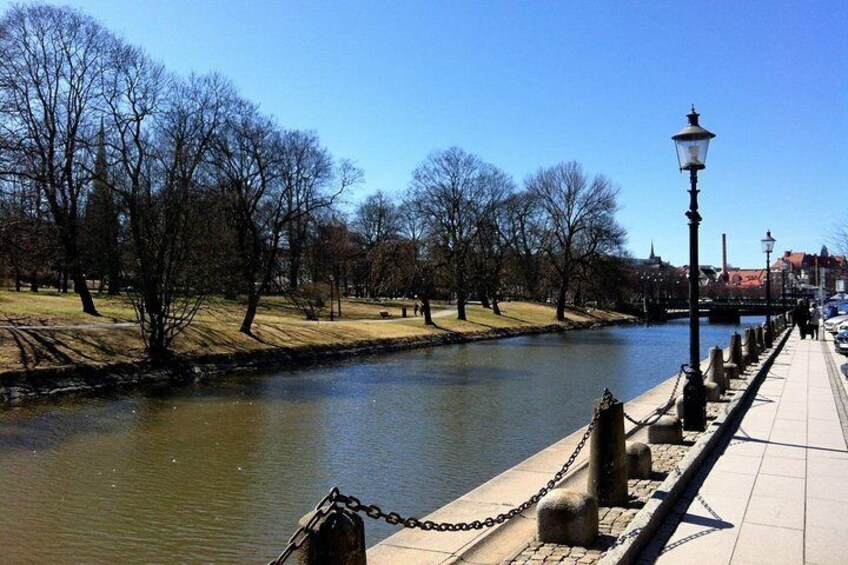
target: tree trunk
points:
(484, 300)
(560, 311)
(64, 282)
(496, 308)
(17, 280)
(250, 313)
(114, 282)
(339, 296)
(461, 296)
(33, 282)
(425, 306)
(294, 272)
(82, 290)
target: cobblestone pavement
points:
(613, 521)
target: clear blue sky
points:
(526, 84)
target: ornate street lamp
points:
(784, 267)
(692, 143)
(768, 247)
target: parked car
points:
(840, 342)
(831, 323)
(837, 308)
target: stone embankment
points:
(24, 386)
(604, 516)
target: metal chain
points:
(662, 410)
(374, 511)
(300, 535)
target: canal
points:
(221, 473)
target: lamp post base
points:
(694, 403)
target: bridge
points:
(725, 310)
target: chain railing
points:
(336, 499)
(663, 409)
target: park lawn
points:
(215, 329)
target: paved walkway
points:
(778, 491)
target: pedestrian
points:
(815, 321)
(801, 317)
(415, 310)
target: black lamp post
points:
(768, 247)
(784, 266)
(692, 143)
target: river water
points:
(221, 473)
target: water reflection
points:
(218, 474)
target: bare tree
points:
(101, 225)
(163, 129)
(579, 221)
(376, 221)
(51, 71)
(452, 190)
(526, 260)
(271, 182)
(28, 242)
(495, 239)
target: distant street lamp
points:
(768, 247)
(784, 267)
(692, 143)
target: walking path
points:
(777, 490)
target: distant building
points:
(653, 261)
(805, 270)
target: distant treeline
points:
(169, 188)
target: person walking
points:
(801, 317)
(815, 321)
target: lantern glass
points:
(692, 154)
(768, 243)
(692, 143)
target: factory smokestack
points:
(724, 273)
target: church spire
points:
(652, 256)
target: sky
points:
(527, 84)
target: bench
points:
(385, 315)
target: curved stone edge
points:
(649, 519)
(20, 387)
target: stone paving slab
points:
(778, 490)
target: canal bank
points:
(220, 473)
(17, 387)
(622, 531)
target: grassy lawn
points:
(215, 329)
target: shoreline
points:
(21, 387)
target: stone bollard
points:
(751, 355)
(403, 311)
(761, 341)
(717, 369)
(712, 390)
(338, 539)
(768, 336)
(736, 351)
(608, 456)
(567, 517)
(731, 371)
(667, 429)
(639, 460)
